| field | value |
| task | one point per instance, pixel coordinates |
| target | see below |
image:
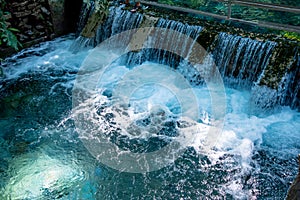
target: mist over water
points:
(42, 155)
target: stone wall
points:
(33, 19)
(41, 20)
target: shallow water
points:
(43, 155)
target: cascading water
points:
(117, 21)
(42, 156)
(241, 60)
(290, 83)
(159, 54)
(288, 91)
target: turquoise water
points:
(44, 157)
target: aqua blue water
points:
(43, 157)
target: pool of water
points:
(44, 155)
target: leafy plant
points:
(7, 36)
(291, 35)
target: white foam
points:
(241, 135)
(53, 55)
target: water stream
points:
(44, 155)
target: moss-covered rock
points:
(97, 18)
(282, 61)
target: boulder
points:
(294, 191)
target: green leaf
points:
(13, 29)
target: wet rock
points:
(42, 33)
(33, 6)
(23, 37)
(19, 5)
(95, 20)
(29, 32)
(25, 20)
(22, 14)
(294, 191)
(27, 26)
(39, 27)
(1, 72)
(44, 10)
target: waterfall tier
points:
(244, 63)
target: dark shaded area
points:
(72, 14)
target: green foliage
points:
(243, 12)
(169, 2)
(291, 35)
(99, 4)
(281, 2)
(7, 36)
(187, 3)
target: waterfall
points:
(241, 60)
(288, 91)
(85, 13)
(81, 124)
(165, 39)
(290, 84)
(184, 46)
(118, 20)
